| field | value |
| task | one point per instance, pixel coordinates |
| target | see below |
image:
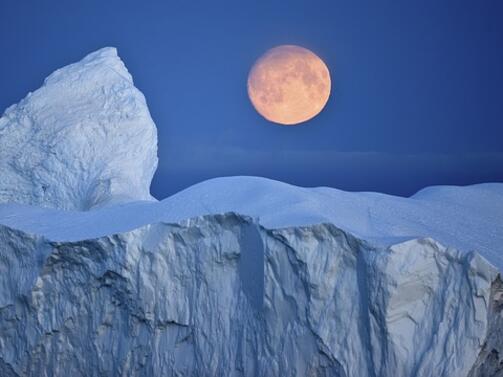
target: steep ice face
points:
(84, 139)
(222, 296)
(490, 360)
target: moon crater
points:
(289, 85)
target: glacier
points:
(235, 276)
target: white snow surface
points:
(469, 218)
(84, 139)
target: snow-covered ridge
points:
(85, 138)
(468, 218)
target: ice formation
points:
(85, 138)
(237, 276)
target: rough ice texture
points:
(222, 296)
(85, 138)
(238, 276)
(490, 359)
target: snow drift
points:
(237, 276)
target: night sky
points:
(417, 86)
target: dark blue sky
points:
(416, 99)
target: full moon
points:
(289, 85)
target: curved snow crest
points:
(298, 301)
(467, 218)
(84, 139)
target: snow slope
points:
(468, 218)
(85, 138)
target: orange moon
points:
(289, 85)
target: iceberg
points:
(85, 138)
(235, 276)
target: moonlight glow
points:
(289, 85)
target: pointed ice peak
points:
(85, 138)
(103, 62)
(104, 52)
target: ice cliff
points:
(238, 276)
